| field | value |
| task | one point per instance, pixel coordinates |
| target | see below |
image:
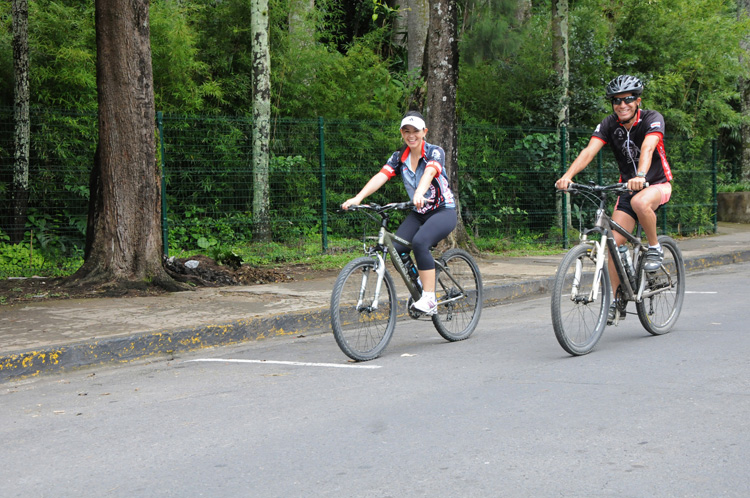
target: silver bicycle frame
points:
(386, 239)
(380, 272)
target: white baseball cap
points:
(414, 121)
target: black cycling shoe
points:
(654, 259)
(612, 313)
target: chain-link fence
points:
(506, 184)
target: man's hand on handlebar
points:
(350, 202)
(563, 183)
(637, 183)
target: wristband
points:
(640, 174)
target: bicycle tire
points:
(456, 320)
(361, 332)
(659, 313)
(579, 324)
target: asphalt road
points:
(505, 413)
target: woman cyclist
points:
(421, 167)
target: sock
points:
(426, 294)
(657, 246)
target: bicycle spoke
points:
(459, 295)
(658, 311)
(577, 319)
(362, 327)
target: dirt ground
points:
(207, 273)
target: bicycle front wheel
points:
(362, 324)
(577, 317)
(659, 311)
(459, 295)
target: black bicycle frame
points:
(605, 226)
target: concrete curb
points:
(122, 349)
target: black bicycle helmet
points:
(624, 84)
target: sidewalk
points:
(61, 335)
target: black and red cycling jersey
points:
(626, 145)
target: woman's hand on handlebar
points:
(419, 201)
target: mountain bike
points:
(364, 306)
(581, 294)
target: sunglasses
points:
(627, 100)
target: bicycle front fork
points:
(380, 272)
(599, 254)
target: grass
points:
(309, 253)
(341, 251)
(517, 248)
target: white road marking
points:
(294, 363)
(699, 292)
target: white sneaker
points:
(426, 305)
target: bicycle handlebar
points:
(392, 206)
(615, 187)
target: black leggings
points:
(424, 231)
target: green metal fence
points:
(506, 180)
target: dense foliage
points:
(339, 61)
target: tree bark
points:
(300, 27)
(400, 24)
(440, 108)
(743, 10)
(417, 24)
(523, 12)
(261, 119)
(561, 64)
(22, 131)
(561, 57)
(124, 237)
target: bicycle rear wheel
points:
(578, 320)
(659, 312)
(459, 296)
(363, 328)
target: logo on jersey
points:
(598, 128)
(656, 125)
(631, 152)
(430, 197)
(436, 154)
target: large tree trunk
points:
(561, 64)
(22, 135)
(410, 30)
(743, 9)
(561, 57)
(417, 23)
(440, 108)
(261, 119)
(124, 237)
(400, 24)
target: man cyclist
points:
(636, 137)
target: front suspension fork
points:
(380, 272)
